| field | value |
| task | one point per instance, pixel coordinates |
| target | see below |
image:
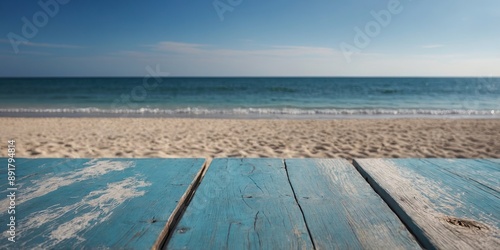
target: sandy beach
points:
(209, 138)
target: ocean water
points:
(251, 97)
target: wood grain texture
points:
(104, 203)
(448, 204)
(242, 204)
(341, 209)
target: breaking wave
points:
(246, 112)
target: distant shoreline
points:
(253, 113)
(249, 117)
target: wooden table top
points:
(260, 203)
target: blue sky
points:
(253, 38)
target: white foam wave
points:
(255, 111)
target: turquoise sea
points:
(273, 97)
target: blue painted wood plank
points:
(242, 204)
(448, 204)
(99, 203)
(485, 172)
(341, 209)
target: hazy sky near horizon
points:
(250, 38)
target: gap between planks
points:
(183, 203)
(398, 210)
(186, 199)
(298, 204)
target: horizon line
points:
(346, 76)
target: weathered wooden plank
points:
(105, 203)
(482, 171)
(448, 204)
(242, 204)
(341, 209)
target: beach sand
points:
(209, 138)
